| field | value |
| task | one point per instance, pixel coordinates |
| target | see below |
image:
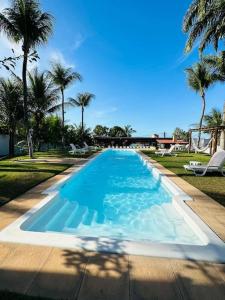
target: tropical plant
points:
(50, 131)
(204, 21)
(214, 118)
(128, 130)
(217, 65)
(62, 78)
(117, 131)
(100, 130)
(77, 135)
(11, 108)
(42, 97)
(181, 134)
(200, 78)
(83, 100)
(25, 23)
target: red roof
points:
(171, 141)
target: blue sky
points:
(130, 54)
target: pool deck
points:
(71, 274)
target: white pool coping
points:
(213, 250)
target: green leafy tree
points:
(42, 97)
(11, 108)
(83, 100)
(181, 134)
(77, 135)
(204, 22)
(200, 78)
(100, 130)
(214, 118)
(63, 77)
(128, 130)
(117, 131)
(50, 131)
(25, 23)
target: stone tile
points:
(106, 277)
(61, 275)
(152, 278)
(19, 268)
(199, 280)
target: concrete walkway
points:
(82, 275)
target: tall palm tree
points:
(128, 130)
(200, 78)
(217, 65)
(83, 100)
(11, 107)
(62, 78)
(25, 23)
(42, 97)
(204, 21)
(214, 118)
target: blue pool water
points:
(115, 196)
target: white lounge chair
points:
(163, 152)
(76, 150)
(92, 148)
(216, 164)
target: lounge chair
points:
(215, 164)
(92, 148)
(163, 152)
(76, 150)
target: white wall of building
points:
(4, 144)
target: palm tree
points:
(62, 78)
(42, 97)
(117, 131)
(83, 100)
(128, 130)
(204, 21)
(200, 79)
(25, 22)
(11, 108)
(214, 118)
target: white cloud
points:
(79, 40)
(57, 56)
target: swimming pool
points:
(118, 202)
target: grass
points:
(57, 154)
(211, 184)
(16, 177)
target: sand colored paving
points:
(71, 274)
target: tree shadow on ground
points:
(85, 275)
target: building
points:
(105, 141)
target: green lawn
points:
(212, 185)
(17, 177)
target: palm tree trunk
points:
(202, 117)
(82, 123)
(63, 118)
(11, 143)
(25, 106)
(82, 119)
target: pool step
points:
(90, 217)
(58, 221)
(43, 219)
(75, 219)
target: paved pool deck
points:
(71, 274)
